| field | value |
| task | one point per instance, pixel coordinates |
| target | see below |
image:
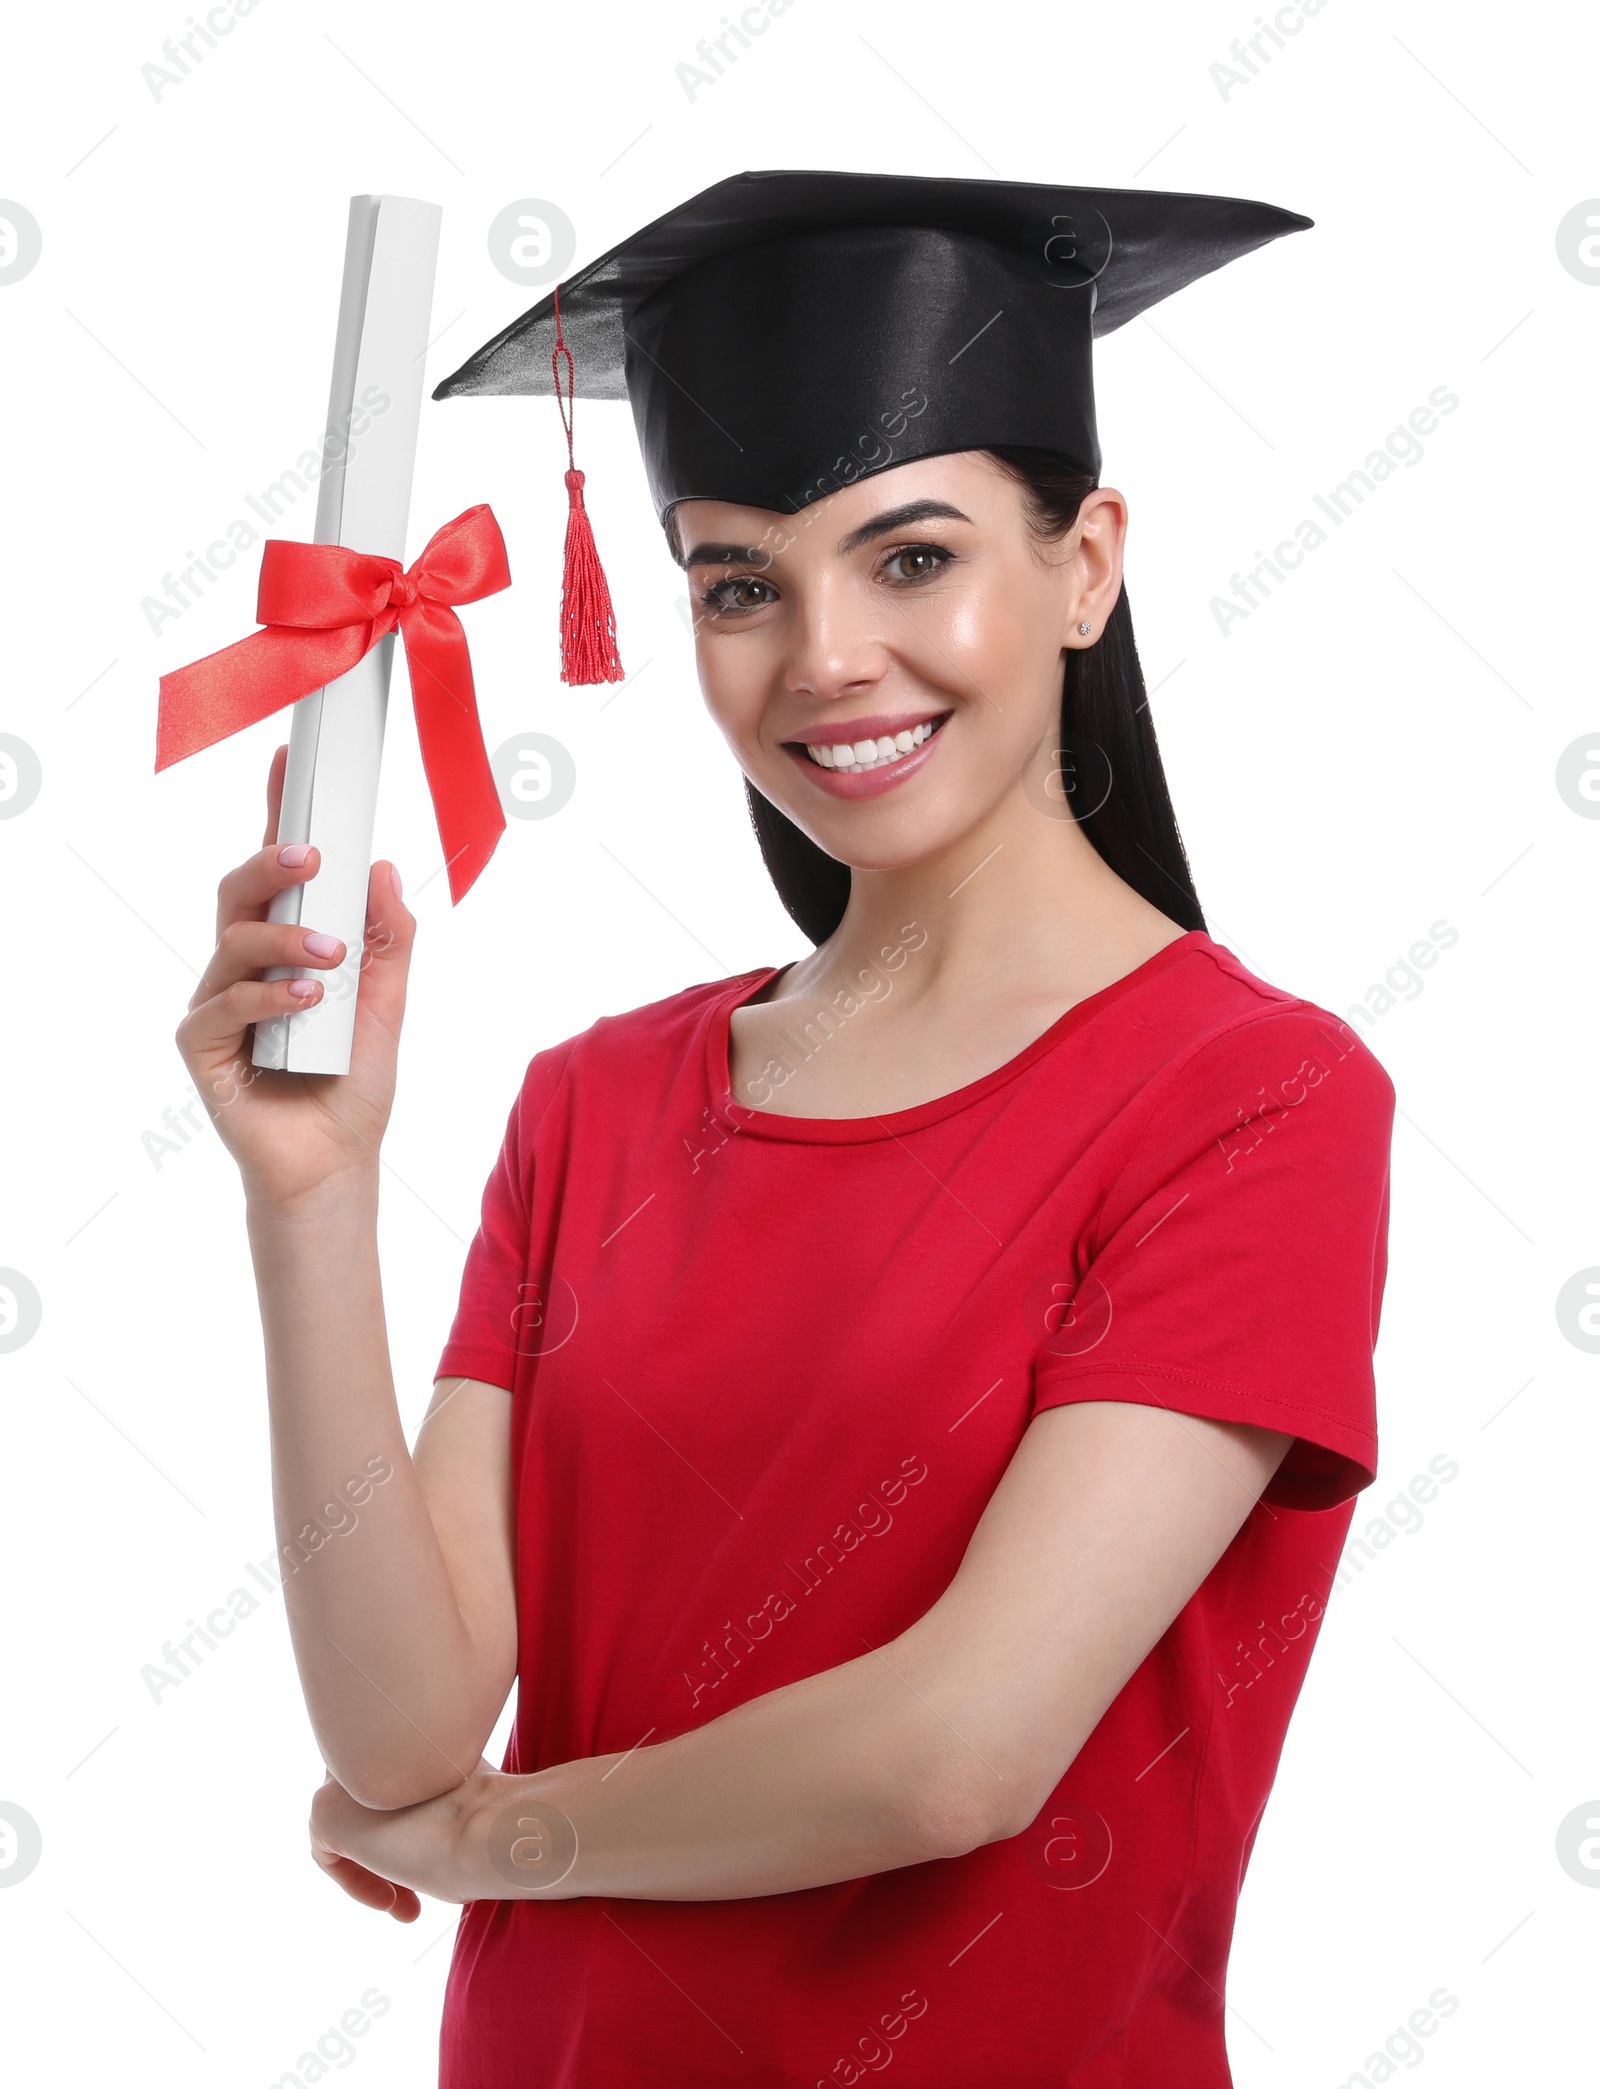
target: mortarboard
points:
(783, 334)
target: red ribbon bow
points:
(325, 607)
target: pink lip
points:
(848, 730)
(867, 783)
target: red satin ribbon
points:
(325, 607)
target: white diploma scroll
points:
(330, 791)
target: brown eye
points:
(916, 562)
(737, 594)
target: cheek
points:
(981, 629)
(998, 641)
(734, 682)
(993, 628)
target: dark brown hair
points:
(1107, 737)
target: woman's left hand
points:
(385, 1859)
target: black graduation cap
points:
(783, 334)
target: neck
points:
(1022, 904)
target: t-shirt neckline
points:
(839, 1131)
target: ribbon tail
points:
(466, 803)
(213, 698)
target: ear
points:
(1095, 567)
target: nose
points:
(837, 640)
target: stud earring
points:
(1084, 630)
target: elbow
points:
(388, 1786)
(964, 1808)
(386, 1770)
(967, 1799)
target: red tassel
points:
(588, 624)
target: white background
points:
(1372, 751)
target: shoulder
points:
(1236, 1047)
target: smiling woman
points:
(1017, 1191)
(925, 628)
(1102, 702)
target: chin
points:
(877, 836)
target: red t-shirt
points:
(766, 1372)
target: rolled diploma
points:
(330, 790)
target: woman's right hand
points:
(293, 1134)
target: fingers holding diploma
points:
(293, 1133)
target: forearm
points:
(396, 1691)
(847, 1773)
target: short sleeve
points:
(1236, 1270)
(483, 1336)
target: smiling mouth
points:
(854, 757)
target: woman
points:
(905, 1407)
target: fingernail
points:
(320, 945)
(303, 989)
(294, 855)
(394, 872)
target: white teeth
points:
(868, 754)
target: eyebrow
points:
(727, 555)
(897, 518)
(878, 526)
